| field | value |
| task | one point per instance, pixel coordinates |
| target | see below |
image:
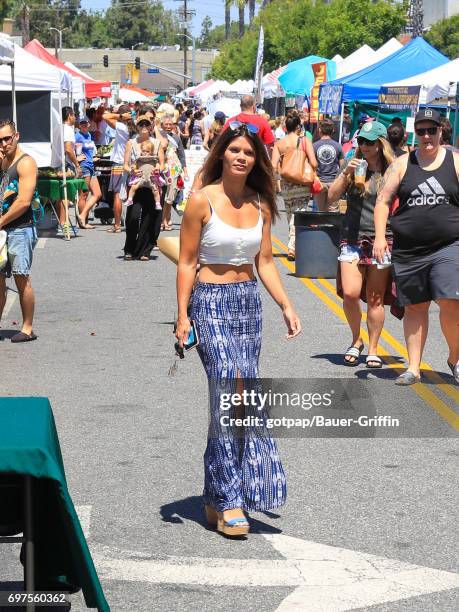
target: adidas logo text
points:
(425, 200)
(429, 193)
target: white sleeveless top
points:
(225, 244)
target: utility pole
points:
(25, 25)
(184, 19)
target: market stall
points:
(414, 58)
(90, 87)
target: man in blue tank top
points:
(425, 253)
(18, 223)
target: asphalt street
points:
(363, 514)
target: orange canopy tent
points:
(144, 92)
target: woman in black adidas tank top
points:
(425, 250)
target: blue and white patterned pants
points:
(240, 471)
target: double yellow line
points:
(333, 302)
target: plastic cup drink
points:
(78, 148)
(360, 172)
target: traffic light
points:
(105, 60)
(137, 63)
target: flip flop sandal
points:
(22, 337)
(114, 230)
(352, 351)
(128, 257)
(144, 258)
(454, 370)
(375, 360)
(407, 378)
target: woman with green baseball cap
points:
(361, 180)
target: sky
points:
(213, 8)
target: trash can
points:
(317, 243)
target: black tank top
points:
(6, 176)
(428, 215)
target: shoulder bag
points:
(295, 167)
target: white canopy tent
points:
(32, 74)
(365, 56)
(389, 47)
(213, 89)
(270, 85)
(243, 87)
(128, 95)
(357, 60)
(439, 82)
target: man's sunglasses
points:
(423, 131)
(237, 125)
(6, 139)
(364, 141)
(143, 124)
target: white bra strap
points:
(259, 206)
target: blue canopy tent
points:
(415, 57)
(298, 77)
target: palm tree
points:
(251, 4)
(241, 8)
(228, 4)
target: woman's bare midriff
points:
(224, 273)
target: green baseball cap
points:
(371, 130)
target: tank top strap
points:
(12, 171)
(208, 199)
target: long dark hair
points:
(260, 179)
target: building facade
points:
(435, 10)
(90, 61)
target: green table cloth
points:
(53, 188)
(29, 445)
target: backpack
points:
(37, 208)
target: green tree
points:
(206, 29)
(150, 24)
(297, 28)
(7, 8)
(216, 37)
(444, 36)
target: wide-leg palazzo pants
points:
(241, 469)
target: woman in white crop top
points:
(227, 229)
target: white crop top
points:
(225, 244)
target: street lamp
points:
(193, 55)
(60, 39)
(136, 45)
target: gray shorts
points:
(20, 242)
(431, 277)
(118, 179)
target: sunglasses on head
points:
(364, 141)
(237, 125)
(423, 131)
(143, 124)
